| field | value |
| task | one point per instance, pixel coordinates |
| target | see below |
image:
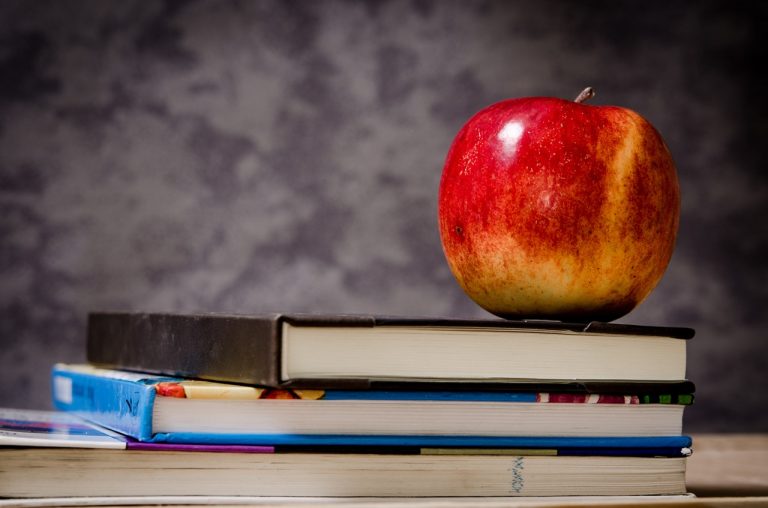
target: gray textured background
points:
(285, 156)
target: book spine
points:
(121, 405)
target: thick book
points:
(57, 429)
(35, 472)
(165, 409)
(368, 351)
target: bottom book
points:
(64, 472)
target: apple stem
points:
(585, 95)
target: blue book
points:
(166, 409)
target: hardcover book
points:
(166, 409)
(372, 352)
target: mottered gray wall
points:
(285, 156)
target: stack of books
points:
(307, 405)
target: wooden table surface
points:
(733, 465)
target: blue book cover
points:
(121, 401)
(153, 408)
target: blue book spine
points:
(677, 442)
(122, 403)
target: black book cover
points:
(245, 349)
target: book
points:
(22, 427)
(284, 350)
(27, 472)
(166, 409)
(56, 429)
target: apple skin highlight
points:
(554, 209)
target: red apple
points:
(555, 209)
